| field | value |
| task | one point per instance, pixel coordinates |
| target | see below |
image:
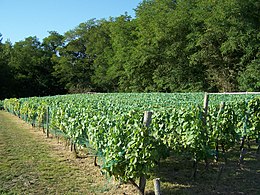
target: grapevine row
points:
(111, 124)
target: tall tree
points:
(32, 68)
(171, 45)
(53, 42)
(174, 71)
(159, 61)
(223, 39)
(83, 62)
(145, 56)
(123, 37)
(6, 77)
(248, 76)
(72, 64)
(99, 47)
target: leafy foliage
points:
(112, 125)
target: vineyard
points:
(129, 134)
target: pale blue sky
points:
(23, 18)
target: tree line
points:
(169, 46)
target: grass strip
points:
(32, 164)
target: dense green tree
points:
(224, 40)
(6, 76)
(50, 46)
(171, 45)
(99, 47)
(84, 60)
(72, 64)
(146, 54)
(53, 42)
(174, 71)
(249, 79)
(32, 68)
(123, 37)
(160, 61)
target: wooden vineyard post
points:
(146, 122)
(142, 184)
(205, 107)
(147, 118)
(47, 122)
(157, 188)
(242, 151)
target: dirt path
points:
(32, 164)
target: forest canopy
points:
(170, 46)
